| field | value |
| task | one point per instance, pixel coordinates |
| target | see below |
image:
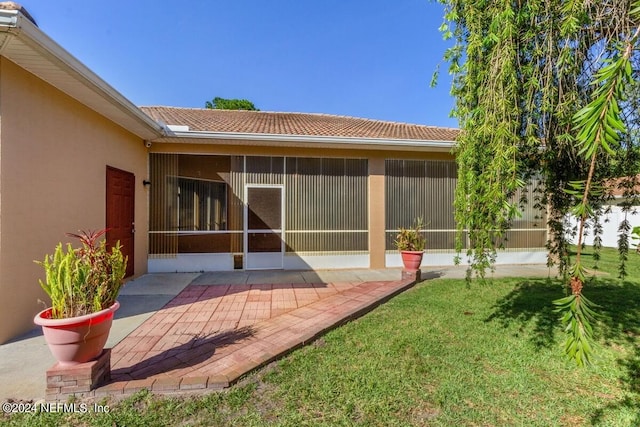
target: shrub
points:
(83, 280)
(411, 239)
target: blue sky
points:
(362, 58)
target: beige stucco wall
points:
(53, 157)
(377, 224)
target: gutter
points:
(321, 139)
(9, 17)
(8, 20)
(15, 24)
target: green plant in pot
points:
(83, 284)
(411, 243)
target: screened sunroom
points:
(224, 212)
(425, 189)
(210, 212)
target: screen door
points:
(263, 227)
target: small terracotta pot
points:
(76, 339)
(412, 259)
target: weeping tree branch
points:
(550, 74)
(599, 128)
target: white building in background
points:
(611, 221)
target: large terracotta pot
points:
(76, 339)
(412, 259)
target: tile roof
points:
(617, 185)
(303, 124)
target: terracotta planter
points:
(76, 339)
(412, 259)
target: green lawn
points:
(443, 353)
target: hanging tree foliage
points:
(544, 88)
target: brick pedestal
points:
(413, 275)
(78, 380)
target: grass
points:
(443, 353)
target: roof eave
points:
(93, 91)
(316, 141)
(9, 18)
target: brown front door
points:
(120, 212)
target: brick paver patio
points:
(209, 336)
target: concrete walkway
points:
(184, 332)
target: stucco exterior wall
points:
(376, 213)
(53, 157)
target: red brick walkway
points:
(208, 336)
